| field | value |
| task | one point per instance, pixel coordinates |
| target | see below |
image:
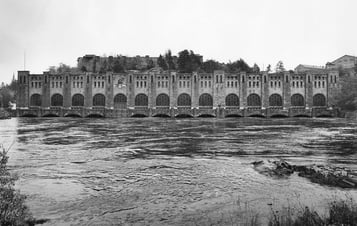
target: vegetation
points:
(13, 210)
(8, 93)
(340, 213)
(279, 67)
(346, 98)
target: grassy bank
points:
(338, 213)
(13, 210)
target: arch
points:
(205, 100)
(184, 100)
(319, 100)
(120, 101)
(141, 100)
(78, 100)
(99, 100)
(35, 100)
(253, 100)
(232, 100)
(57, 100)
(297, 100)
(163, 100)
(275, 100)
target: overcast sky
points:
(259, 31)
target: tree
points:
(346, 98)
(269, 68)
(255, 68)
(279, 67)
(162, 63)
(211, 65)
(238, 66)
(169, 60)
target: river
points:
(157, 171)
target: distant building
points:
(344, 62)
(309, 68)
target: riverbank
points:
(4, 114)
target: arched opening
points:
(77, 100)
(232, 100)
(184, 116)
(120, 101)
(57, 100)
(141, 100)
(95, 116)
(205, 100)
(297, 100)
(138, 116)
(163, 100)
(72, 115)
(279, 116)
(99, 100)
(35, 100)
(233, 116)
(161, 116)
(50, 115)
(184, 100)
(29, 115)
(301, 116)
(319, 100)
(206, 116)
(275, 100)
(256, 116)
(253, 100)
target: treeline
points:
(186, 62)
(8, 93)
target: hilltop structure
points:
(156, 92)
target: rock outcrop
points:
(325, 175)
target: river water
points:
(156, 171)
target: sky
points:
(49, 32)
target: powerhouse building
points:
(172, 94)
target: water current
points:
(157, 171)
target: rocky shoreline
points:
(4, 114)
(321, 174)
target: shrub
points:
(13, 210)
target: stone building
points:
(172, 94)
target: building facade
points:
(171, 94)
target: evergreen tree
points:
(161, 62)
(255, 68)
(279, 67)
(169, 60)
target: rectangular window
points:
(158, 84)
(60, 84)
(56, 84)
(95, 84)
(102, 84)
(74, 84)
(167, 84)
(32, 84)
